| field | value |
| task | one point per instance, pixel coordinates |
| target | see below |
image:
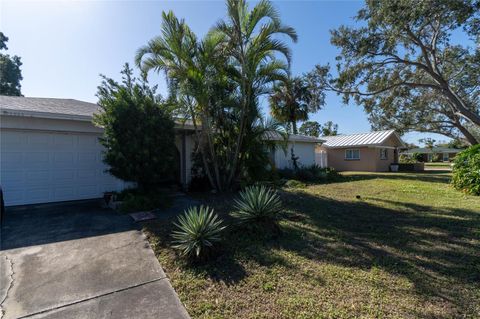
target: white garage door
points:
(40, 167)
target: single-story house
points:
(50, 152)
(445, 154)
(372, 152)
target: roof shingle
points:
(47, 105)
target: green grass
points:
(409, 247)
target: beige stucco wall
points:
(369, 161)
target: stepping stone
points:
(141, 216)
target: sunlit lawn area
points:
(409, 247)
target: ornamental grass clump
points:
(258, 205)
(198, 230)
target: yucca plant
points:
(258, 204)
(199, 228)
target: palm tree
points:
(289, 102)
(249, 38)
(220, 78)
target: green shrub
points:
(199, 228)
(311, 174)
(407, 159)
(139, 136)
(466, 170)
(258, 204)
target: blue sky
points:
(65, 45)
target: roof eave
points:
(46, 115)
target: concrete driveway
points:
(77, 260)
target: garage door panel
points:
(13, 196)
(88, 142)
(38, 195)
(38, 167)
(36, 159)
(11, 177)
(64, 193)
(89, 174)
(11, 160)
(88, 190)
(87, 159)
(63, 175)
(39, 140)
(37, 178)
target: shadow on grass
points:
(433, 248)
(437, 249)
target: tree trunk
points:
(294, 126)
(468, 136)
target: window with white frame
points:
(383, 153)
(352, 154)
(446, 157)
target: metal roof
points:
(47, 106)
(360, 139)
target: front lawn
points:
(408, 247)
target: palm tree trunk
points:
(200, 144)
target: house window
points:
(352, 154)
(446, 158)
(383, 153)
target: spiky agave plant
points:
(257, 204)
(199, 228)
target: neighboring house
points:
(445, 154)
(303, 148)
(372, 152)
(49, 151)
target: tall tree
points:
(10, 72)
(250, 39)
(292, 101)
(429, 142)
(219, 79)
(310, 128)
(403, 66)
(329, 129)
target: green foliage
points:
(311, 174)
(138, 132)
(198, 230)
(401, 64)
(217, 82)
(417, 157)
(407, 159)
(310, 128)
(329, 129)
(293, 99)
(10, 72)
(258, 205)
(466, 170)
